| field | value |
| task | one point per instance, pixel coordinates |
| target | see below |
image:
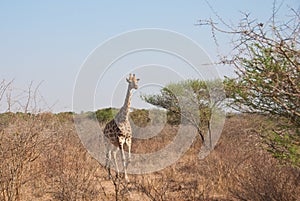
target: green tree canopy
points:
(266, 56)
(189, 102)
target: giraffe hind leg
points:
(116, 162)
(108, 163)
(124, 163)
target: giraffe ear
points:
(127, 80)
(138, 79)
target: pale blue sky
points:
(49, 40)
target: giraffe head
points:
(133, 81)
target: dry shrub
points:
(251, 172)
(42, 158)
(264, 179)
(71, 173)
(22, 142)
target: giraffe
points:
(117, 132)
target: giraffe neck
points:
(124, 111)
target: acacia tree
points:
(190, 102)
(266, 57)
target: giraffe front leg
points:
(122, 141)
(124, 162)
(128, 143)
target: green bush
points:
(6, 118)
(105, 115)
(140, 117)
(65, 116)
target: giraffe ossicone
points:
(117, 132)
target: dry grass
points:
(50, 163)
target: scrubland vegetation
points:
(256, 158)
(42, 158)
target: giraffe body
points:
(118, 133)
